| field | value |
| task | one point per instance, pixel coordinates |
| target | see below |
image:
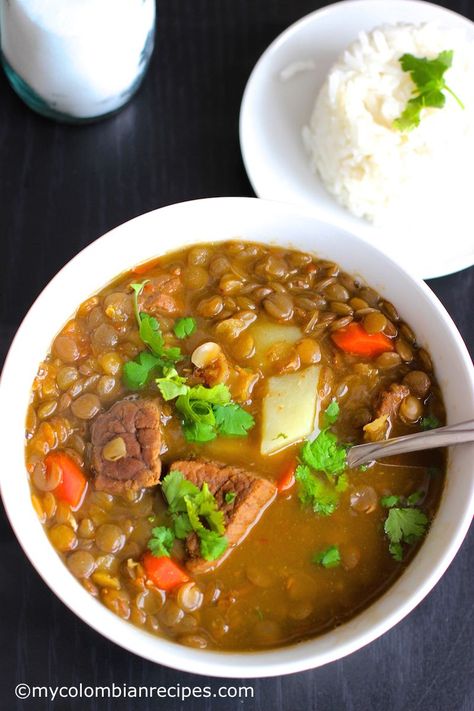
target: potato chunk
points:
(290, 409)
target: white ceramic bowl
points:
(213, 220)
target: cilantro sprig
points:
(324, 455)
(192, 510)
(184, 327)
(161, 542)
(428, 77)
(157, 357)
(329, 558)
(206, 412)
(404, 523)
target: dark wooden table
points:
(60, 188)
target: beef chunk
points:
(389, 400)
(253, 494)
(162, 295)
(132, 429)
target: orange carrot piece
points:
(355, 340)
(287, 477)
(163, 572)
(142, 268)
(73, 483)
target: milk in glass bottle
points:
(76, 60)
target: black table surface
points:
(60, 188)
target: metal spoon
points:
(440, 437)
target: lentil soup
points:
(186, 445)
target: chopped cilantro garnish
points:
(314, 492)
(136, 373)
(232, 420)
(194, 509)
(230, 497)
(415, 498)
(331, 413)
(281, 435)
(389, 501)
(404, 525)
(208, 412)
(330, 558)
(363, 467)
(137, 290)
(184, 327)
(161, 541)
(171, 385)
(430, 422)
(428, 77)
(323, 455)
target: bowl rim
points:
(282, 660)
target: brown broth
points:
(268, 592)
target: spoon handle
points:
(440, 437)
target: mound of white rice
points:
(373, 169)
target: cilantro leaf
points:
(315, 493)
(136, 373)
(150, 333)
(330, 558)
(389, 501)
(182, 525)
(199, 432)
(342, 483)
(428, 77)
(430, 422)
(230, 497)
(404, 525)
(415, 498)
(175, 487)
(331, 413)
(137, 290)
(232, 420)
(212, 545)
(195, 509)
(209, 411)
(162, 541)
(396, 550)
(325, 454)
(218, 395)
(184, 327)
(172, 385)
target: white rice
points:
(373, 169)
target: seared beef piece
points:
(389, 400)
(137, 424)
(253, 495)
(161, 295)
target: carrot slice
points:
(142, 268)
(73, 483)
(163, 572)
(287, 477)
(355, 340)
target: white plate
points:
(274, 111)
